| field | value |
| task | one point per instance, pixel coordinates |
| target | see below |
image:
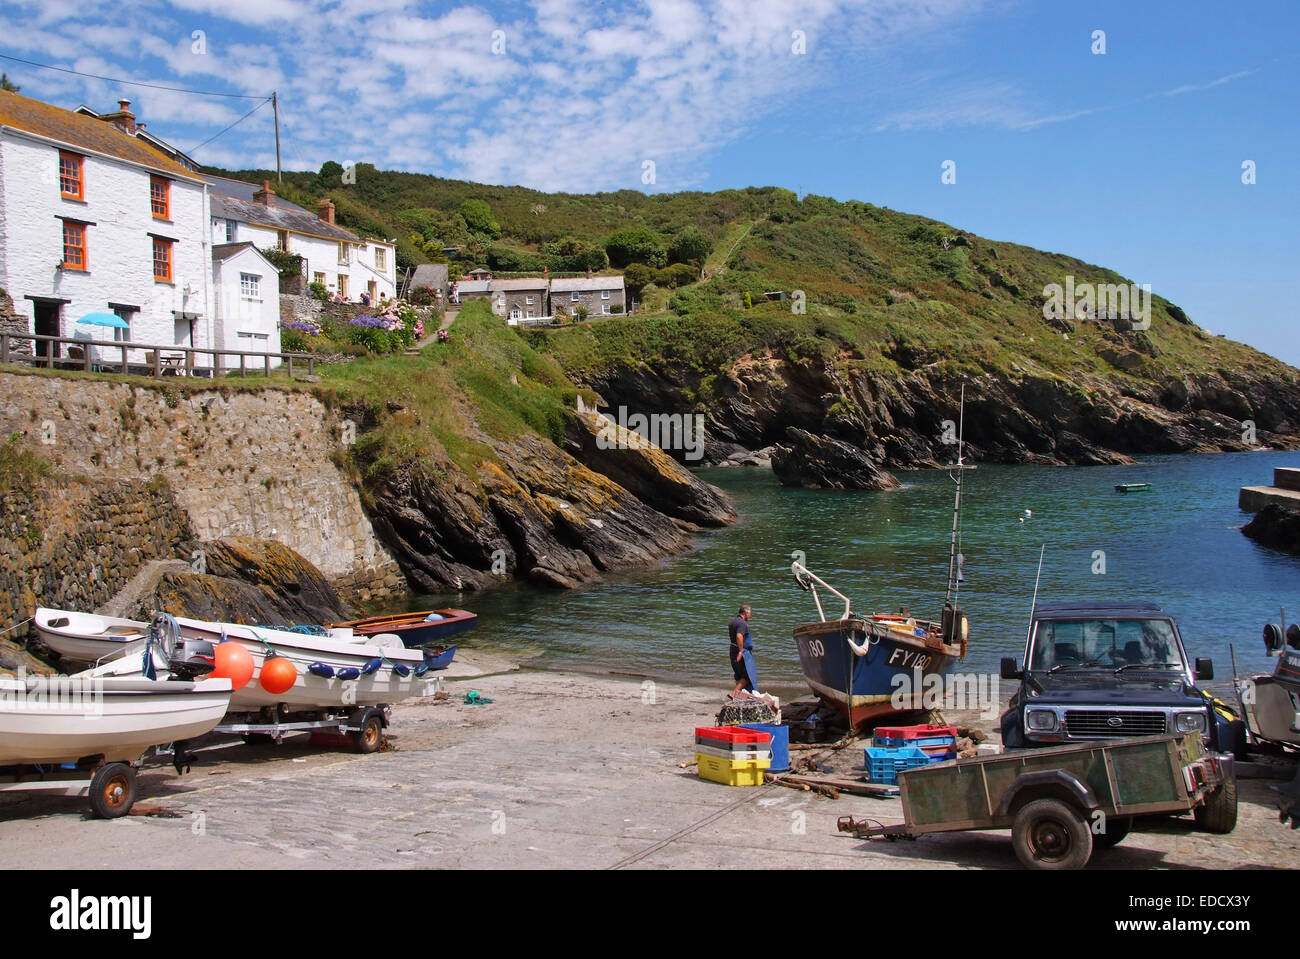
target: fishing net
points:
(746, 711)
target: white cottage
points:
(345, 263)
(246, 310)
(93, 219)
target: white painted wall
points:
(322, 256)
(256, 317)
(118, 246)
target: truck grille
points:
(1097, 723)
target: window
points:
(343, 252)
(604, 308)
(74, 246)
(318, 278)
(253, 342)
(249, 284)
(230, 231)
(604, 294)
(528, 301)
(162, 260)
(71, 181)
(381, 258)
(160, 197)
(282, 240)
(574, 297)
(123, 334)
(343, 286)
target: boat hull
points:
(310, 691)
(866, 688)
(86, 637)
(413, 628)
(118, 718)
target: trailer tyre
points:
(370, 735)
(1219, 814)
(112, 790)
(1050, 834)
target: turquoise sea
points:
(1179, 545)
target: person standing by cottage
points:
(742, 652)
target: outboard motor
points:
(187, 659)
(1273, 638)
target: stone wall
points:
(75, 544)
(241, 463)
(11, 321)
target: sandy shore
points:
(562, 770)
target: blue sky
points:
(1131, 159)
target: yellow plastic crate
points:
(732, 772)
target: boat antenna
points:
(956, 508)
(1033, 608)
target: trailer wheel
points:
(1116, 829)
(370, 735)
(1219, 813)
(1050, 834)
(112, 790)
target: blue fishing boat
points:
(439, 657)
(868, 667)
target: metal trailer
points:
(1060, 803)
(110, 786)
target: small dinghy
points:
(86, 637)
(1132, 487)
(415, 629)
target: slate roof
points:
(225, 186)
(224, 251)
(525, 283)
(295, 220)
(432, 275)
(78, 130)
(586, 284)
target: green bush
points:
(690, 245)
(636, 245)
(318, 291)
(679, 274)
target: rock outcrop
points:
(1277, 527)
(820, 462)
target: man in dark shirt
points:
(742, 652)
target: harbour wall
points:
(238, 463)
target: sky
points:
(1118, 132)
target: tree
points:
(7, 84)
(636, 245)
(478, 217)
(331, 170)
(690, 245)
(637, 277)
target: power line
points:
(134, 83)
(231, 127)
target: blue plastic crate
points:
(780, 743)
(895, 742)
(884, 764)
(942, 757)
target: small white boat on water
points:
(332, 671)
(86, 637)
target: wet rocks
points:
(1277, 527)
(820, 462)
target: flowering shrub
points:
(395, 327)
(298, 336)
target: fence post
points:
(266, 362)
(241, 365)
(289, 357)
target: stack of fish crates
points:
(884, 763)
(732, 755)
(939, 743)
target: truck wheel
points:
(1116, 829)
(1219, 814)
(1049, 834)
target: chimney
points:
(141, 127)
(325, 210)
(589, 273)
(546, 274)
(123, 119)
(265, 196)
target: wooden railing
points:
(180, 359)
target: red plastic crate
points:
(730, 736)
(915, 732)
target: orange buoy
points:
(233, 662)
(278, 675)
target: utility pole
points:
(275, 107)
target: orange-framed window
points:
(74, 246)
(72, 182)
(160, 197)
(162, 259)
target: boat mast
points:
(953, 578)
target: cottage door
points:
(46, 322)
